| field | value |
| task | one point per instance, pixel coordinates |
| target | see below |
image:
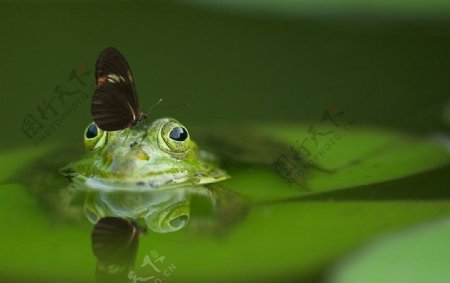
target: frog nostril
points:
(142, 155)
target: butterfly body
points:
(141, 117)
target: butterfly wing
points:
(112, 67)
(115, 102)
(110, 107)
(114, 240)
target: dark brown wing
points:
(112, 67)
(110, 107)
(114, 240)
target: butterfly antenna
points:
(151, 107)
(175, 106)
(178, 105)
(154, 105)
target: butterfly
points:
(115, 103)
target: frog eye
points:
(169, 219)
(175, 138)
(92, 131)
(178, 134)
(94, 137)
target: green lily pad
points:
(418, 254)
(355, 157)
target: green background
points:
(381, 67)
(384, 63)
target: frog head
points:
(155, 156)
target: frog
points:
(160, 155)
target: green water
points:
(214, 65)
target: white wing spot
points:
(113, 78)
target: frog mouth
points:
(158, 182)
